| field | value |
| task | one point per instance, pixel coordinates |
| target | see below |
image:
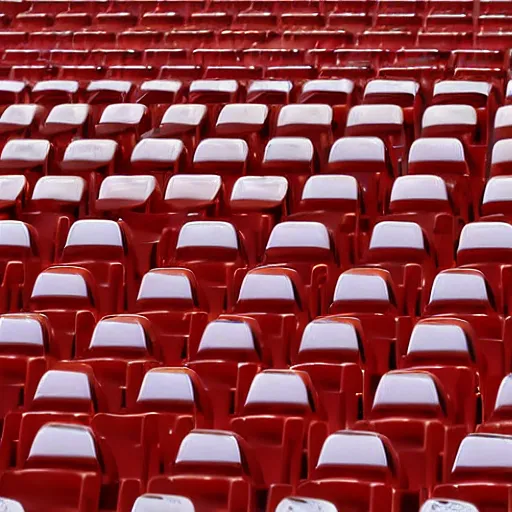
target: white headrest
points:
(257, 286)
(60, 188)
(227, 335)
(208, 234)
(375, 114)
(161, 86)
(406, 388)
(15, 86)
(488, 235)
(163, 384)
(63, 440)
(243, 113)
(299, 234)
(262, 188)
(70, 113)
(157, 150)
(284, 86)
(429, 337)
(497, 189)
(121, 86)
(136, 188)
(54, 284)
(201, 187)
(437, 149)
(353, 449)
(305, 505)
(70, 86)
(157, 284)
(305, 114)
(63, 384)
(14, 233)
(484, 451)
(331, 186)
(28, 150)
(504, 397)
(277, 387)
(187, 114)
(7, 505)
(21, 115)
(357, 149)
(91, 150)
(325, 334)
(127, 113)
(221, 150)
(162, 503)
(446, 505)
(342, 85)
(20, 329)
(503, 117)
(458, 286)
(229, 86)
(11, 186)
(502, 151)
(461, 87)
(391, 87)
(388, 234)
(95, 232)
(288, 149)
(419, 187)
(111, 332)
(438, 115)
(352, 286)
(209, 447)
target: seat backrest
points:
(17, 240)
(8, 505)
(258, 192)
(269, 92)
(419, 193)
(192, 190)
(497, 198)
(289, 154)
(156, 154)
(12, 189)
(123, 114)
(183, 116)
(229, 152)
(331, 92)
(212, 91)
(443, 120)
(127, 192)
(25, 154)
(54, 91)
(69, 115)
(330, 192)
(303, 119)
(305, 504)
(240, 118)
(503, 404)
(20, 116)
(397, 92)
(447, 505)
(363, 154)
(89, 154)
(24, 333)
(50, 191)
(466, 92)
(437, 155)
(163, 503)
(108, 91)
(501, 158)
(378, 120)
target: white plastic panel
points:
(228, 86)
(257, 286)
(436, 149)
(68, 86)
(14, 233)
(63, 384)
(243, 113)
(406, 388)
(458, 286)
(484, 451)
(53, 284)
(353, 449)
(15, 86)
(283, 86)
(160, 285)
(126, 113)
(157, 150)
(261, 188)
(446, 505)
(330, 186)
(488, 235)
(504, 397)
(296, 504)
(190, 115)
(30, 150)
(502, 151)
(324, 334)
(392, 87)
(288, 149)
(72, 113)
(91, 150)
(21, 115)
(357, 149)
(273, 387)
(162, 503)
(223, 334)
(221, 150)
(209, 447)
(113, 333)
(419, 187)
(7, 505)
(305, 114)
(300, 235)
(428, 337)
(121, 86)
(497, 189)
(63, 441)
(352, 286)
(60, 188)
(462, 87)
(95, 232)
(20, 329)
(397, 234)
(200, 187)
(503, 117)
(208, 234)
(135, 188)
(162, 384)
(375, 114)
(321, 85)
(11, 187)
(438, 115)
(172, 86)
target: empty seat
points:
(54, 92)
(269, 92)
(100, 93)
(164, 502)
(12, 92)
(20, 121)
(443, 504)
(158, 95)
(496, 199)
(464, 92)
(501, 158)
(450, 120)
(13, 189)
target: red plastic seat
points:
(12, 92)
(269, 92)
(13, 194)
(54, 92)
(20, 121)
(495, 205)
(158, 95)
(100, 93)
